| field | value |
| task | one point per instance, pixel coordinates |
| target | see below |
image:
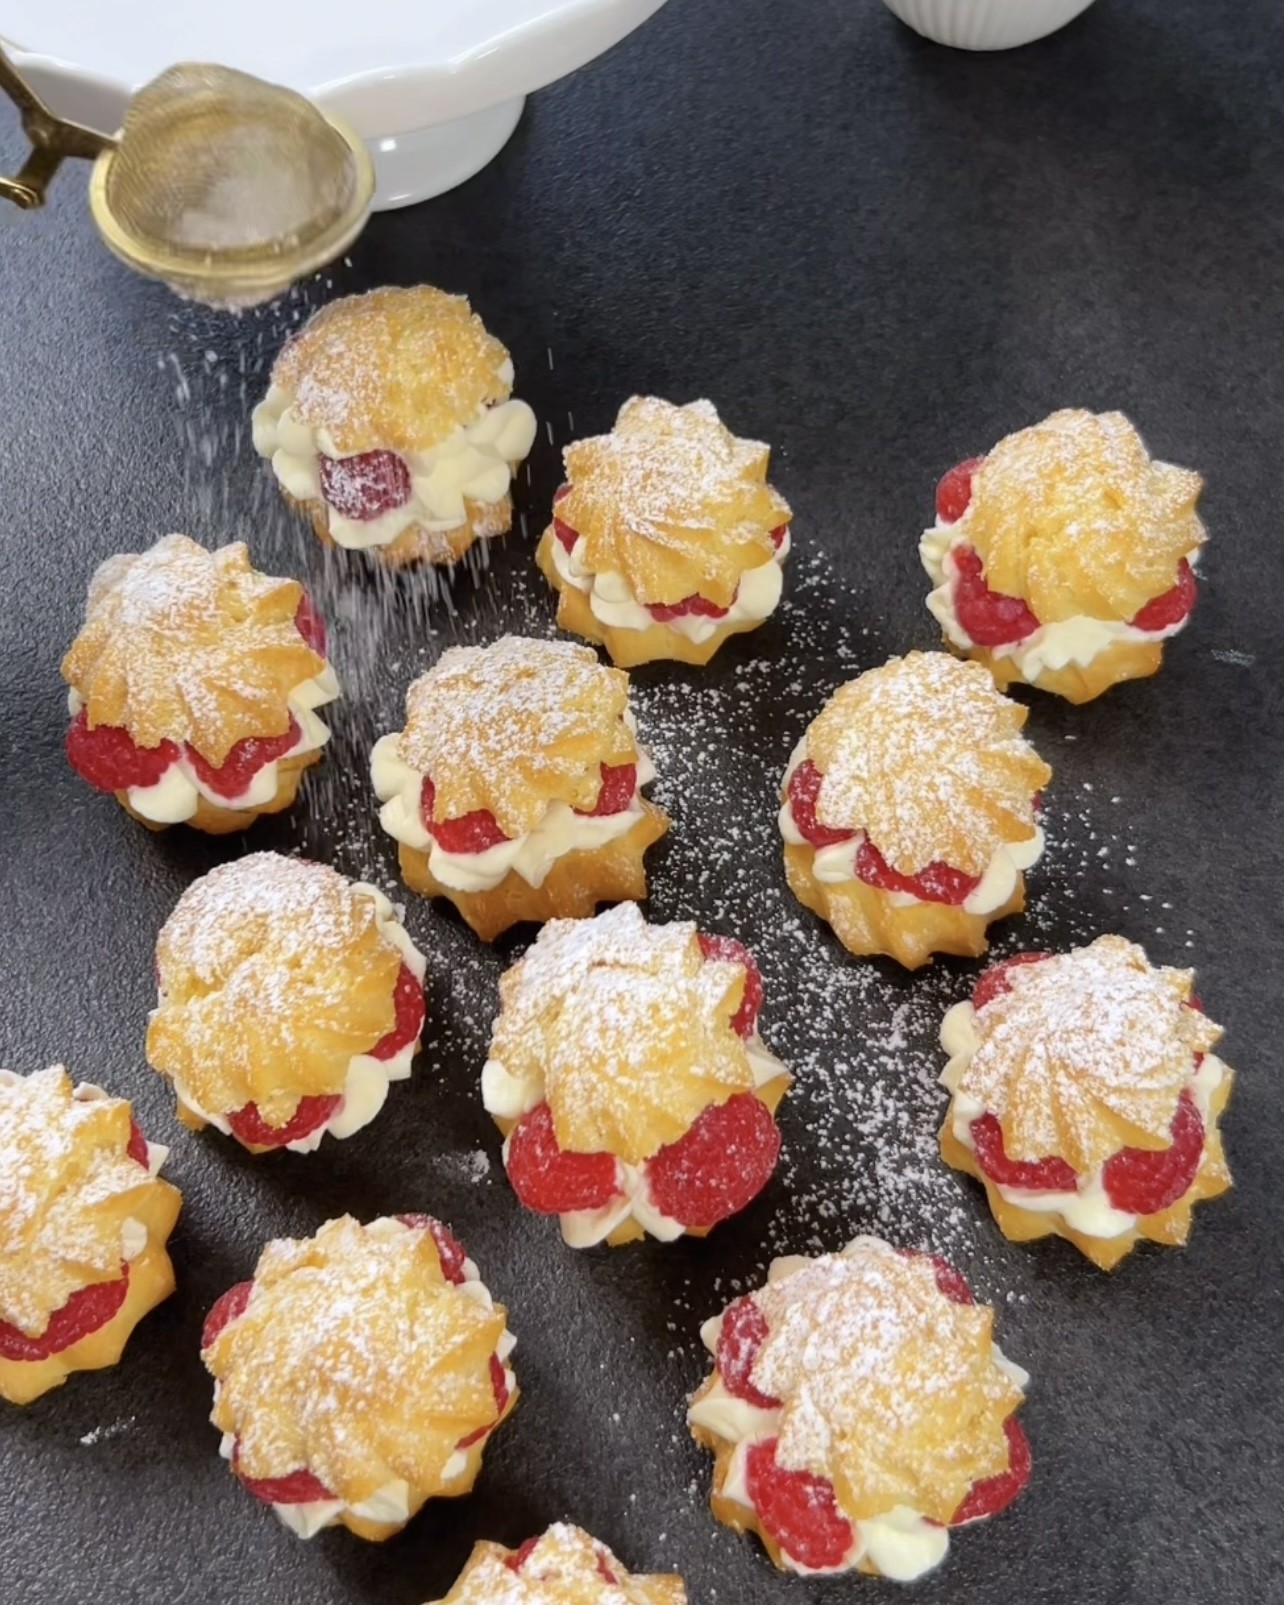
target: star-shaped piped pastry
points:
(564, 1566)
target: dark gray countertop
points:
(879, 256)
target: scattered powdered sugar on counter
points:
(114, 1429)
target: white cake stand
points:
(435, 87)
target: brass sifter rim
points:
(236, 276)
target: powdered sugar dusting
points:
(564, 1567)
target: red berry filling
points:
(690, 607)
(721, 1164)
(803, 791)
(108, 758)
(310, 625)
(937, 883)
(408, 999)
(619, 782)
(249, 1125)
(136, 1148)
(365, 486)
(519, 1557)
(300, 1487)
(84, 1312)
(743, 1333)
(989, 1497)
(988, 617)
(235, 774)
(729, 951)
(1163, 612)
(226, 1309)
(563, 532)
(798, 1510)
(1142, 1181)
(1049, 1175)
(553, 1180)
(470, 833)
(499, 1387)
(780, 536)
(450, 1251)
(994, 981)
(954, 493)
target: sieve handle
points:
(52, 138)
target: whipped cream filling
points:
(175, 796)
(613, 602)
(1087, 1209)
(474, 464)
(836, 864)
(902, 1543)
(559, 831)
(509, 1097)
(365, 1086)
(390, 1503)
(1076, 640)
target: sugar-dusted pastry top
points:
(624, 1028)
(1087, 1052)
(564, 1566)
(926, 756)
(188, 645)
(1074, 516)
(888, 1388)
(394, 369)
(356, 1358)
(511, 727)
(673, 501)
(67, 1188)
(273, 973)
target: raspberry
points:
(499, 1387)
(804, 789)
(744, 1331)
(552, 1180)
(1049, 1175)
(225, 1310)
(1142, 1182)
(954, 492)
(470, 833)
(994, 981)
(310, 625)
(994, 1494)
(108, 758)
(1162, 612)
(249, 1125)
(409, 1002)
(563, 532)
(236, 773)
(952, 1283)
(729, 951)
(136, 1148)
(519, 1557)
(779, 536)
(798, 1510)
(300, 1487)
(83, 1313)
(699, 607)
(722, 1163)
(937, 883)
(989, 618)
(365, 486)
(450, 1251)
(619, 782)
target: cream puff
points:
(390, 421)
(1085, 1096)
(563, 1566)
(859, 1411)
(909, 809)
(1066, 557)
(359, 1374)
(289, 998)
(515, 788)
(86, 1219)
(195, 682)
(628, 1077)
(666, 538)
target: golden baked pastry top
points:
(67, 1187)
(356, 1358)
(1073, 515)
(564, 1568)
(393, 370)
(514, 726)
(672, 500)
(888, 1388)
(183, 644)
(1087, 1052)
(927, 757)
(627, 1029)
(273, 973)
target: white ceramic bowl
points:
(434, 87)
(986, 24)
